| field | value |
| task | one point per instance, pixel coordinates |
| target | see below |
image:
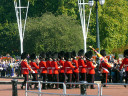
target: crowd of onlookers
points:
(9, 67)
(116, 75)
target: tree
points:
(9, 39)
(113, 24)
(50, 33)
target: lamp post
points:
(97, 26)
(97, 23)
(84, 22)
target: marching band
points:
(67, 67)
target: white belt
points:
(49, 68)
(67, 67)
(24, 68)
(80, 66)
(105, 69)
(53, 67)
(42, 67)
(89, 68)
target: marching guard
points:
(82, 65)
(35, 68)
(25, 69)
(104, 68)
(55, 69)
(125, 62)
(43, 69)
(68, 69)
(49, 68)
(90, 68)
(76, 69)
(61, 71)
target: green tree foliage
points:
(113, 22)
(51, 33)
(7, 11)
(9, 39)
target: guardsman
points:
(35, 68)
(82, 65)
(43, 69)
(104, 68)
(49, 68)
(125, 63)
(25, 69)
(76, 69)
(55, 69)
(68, 68)
(90, 68)
(61, 72)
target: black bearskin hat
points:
(23, 55)
(73, 54)
(103, 52)
(126, 53)
(88, 54)
(55, 55)
(81, 52)
(42, 55)
(61, 54)
(67, 55)
(33, 56)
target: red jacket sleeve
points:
(26, 64)
(83, 64)
(70, 64)
(92, 66)
(45, 65)
(76, 64)
(37, 67)
(56, 65)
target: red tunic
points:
(25, 67)
(104, 67)
(125, 62)
(82, 65)
(75, 63)
(61, 62)
(49, 67)
(34, 66)
(90, 67)
(43, 67)
(55, 67)
(68, 67)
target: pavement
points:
(110, 90)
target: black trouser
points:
(50, 79)
(75, 77)
(90, 79)
(61, 79)
(104, 78)
(44, 76)
(83, 76)
(35, 78)
(56, 79)
(69, 80)
(25, 79)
